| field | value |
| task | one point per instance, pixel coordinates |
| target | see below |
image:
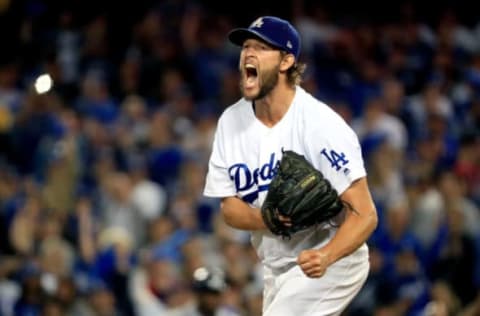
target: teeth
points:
(249, 66)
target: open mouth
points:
(251, 75)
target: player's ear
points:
(287, 61)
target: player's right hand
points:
(314, 262)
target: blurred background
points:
(107, 112)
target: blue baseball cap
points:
(274, 31)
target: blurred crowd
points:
(101, 177)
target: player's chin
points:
(250, 94)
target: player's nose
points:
(248, 51)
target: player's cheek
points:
(241, 61)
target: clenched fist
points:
(314, 262)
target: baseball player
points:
(317, 271)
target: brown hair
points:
(295, 73)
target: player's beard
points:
(269, 79)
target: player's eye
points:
(256, 46)
(248, 46)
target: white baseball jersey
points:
(246, 152)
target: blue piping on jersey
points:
(252, 196)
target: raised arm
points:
(238, 214)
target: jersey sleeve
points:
(336, 152)
(218, 182)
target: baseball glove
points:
(301, 193)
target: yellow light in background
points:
(4, 5)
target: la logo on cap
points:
(257, 23)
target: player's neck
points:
(271, 109)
